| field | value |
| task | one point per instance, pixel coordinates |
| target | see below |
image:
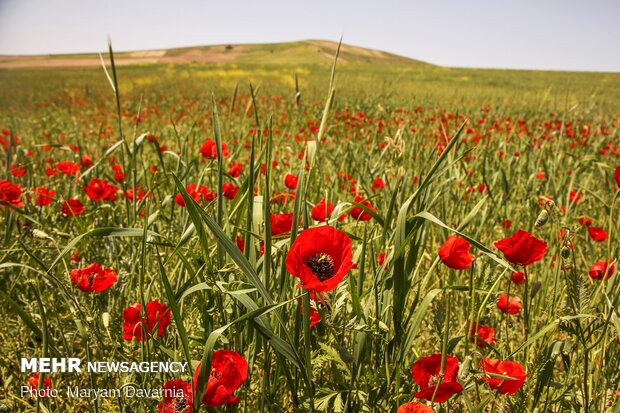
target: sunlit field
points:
(318, 236)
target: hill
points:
(302, 52)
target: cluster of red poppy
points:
(229, 370)
(437, 377)
(522, 248)
(33, 382)
(320, 257)
(200, 193)
(44, 196)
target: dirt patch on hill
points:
(87, 62)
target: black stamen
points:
(321, 265)
(180, 404)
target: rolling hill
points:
(302, 52)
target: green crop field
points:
(366, 234)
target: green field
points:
(434, 150)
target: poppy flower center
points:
(321, 265)
(91, 278)
(180, 404)
(433, 381)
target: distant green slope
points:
(290, 53)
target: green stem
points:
(444, 346)
(526, 309)
(469, 331)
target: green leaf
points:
(101, 232)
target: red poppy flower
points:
(597, 234)
(198, 192)
(506, 223)
(585, 221)
(72, 207)
(381, 258)
(76, 257)
(320, 257)
(574, 197)
(414, 407)
(290, 181)
(138, 195)
(230, 190)
(178, 199)
(281, 223)
(504, 368)
(93, 278)
(602, 269)
(522, 248)
(157, 315)
(172, 404)
(425, 372)
(44, 196)
(240, 243)
(68, 168)
(11, 194)
(206, 194)
(518, 277)
(617, 175)
(33, 382)
(510, 305)
(360, 214)
(378, 183)
(18, 171)
(455, 253)
(209, 149)
(86, 161)
(229, 370)
(119, 175)
(482, 335)
(101, 190)
(322, 211)
(235, 169)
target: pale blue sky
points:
(528, 34)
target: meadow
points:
(359, 236)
